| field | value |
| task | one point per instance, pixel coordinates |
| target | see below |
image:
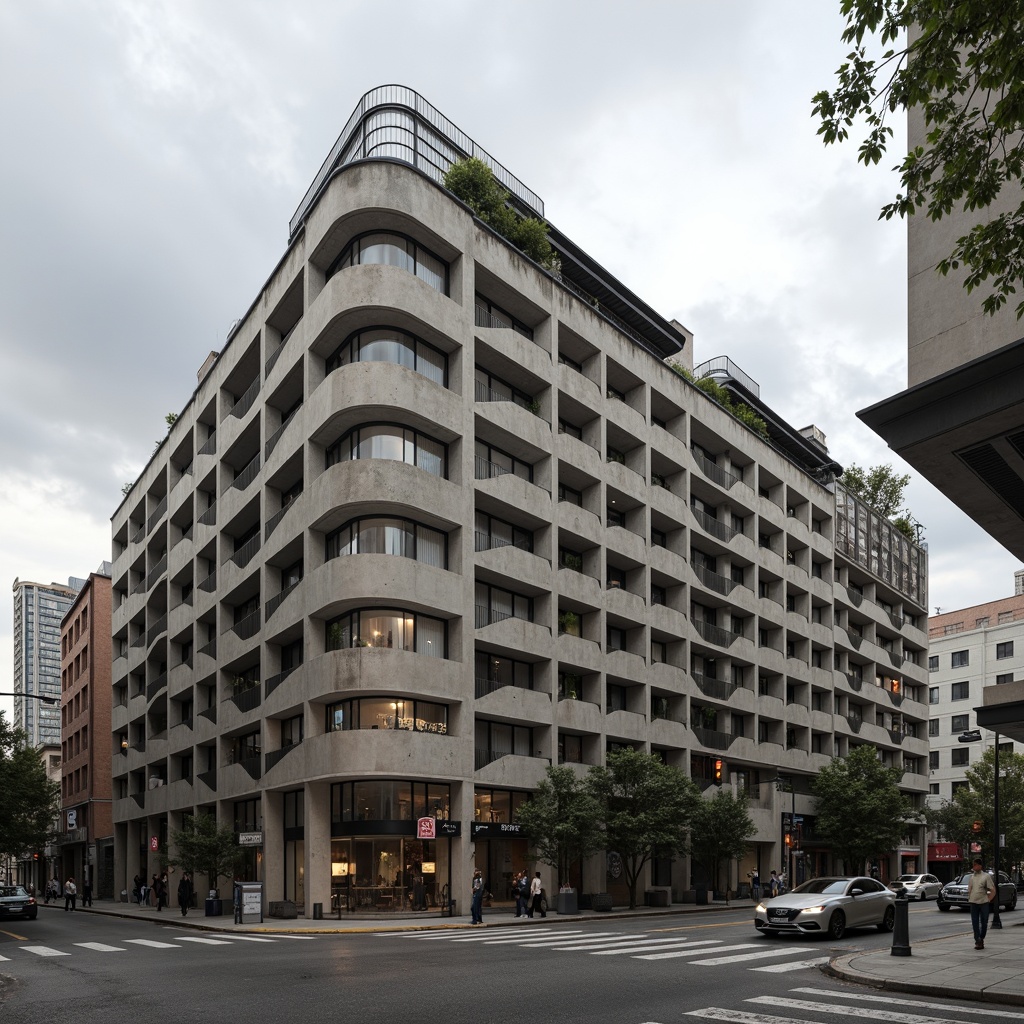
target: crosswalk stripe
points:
(202, 940)
(666, 944)
(795, 965)
(685, 952)
(565, 937)
(764, 954)
(243, 938)
(300, 938)
(893, 1001)
(153, 944)
(101, 947)
(44, 951)
(849, 1011)
(484, 937)
(742, 1016)
(5, 958)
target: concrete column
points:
(273, 846)
(317, 845)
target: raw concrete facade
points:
(438, 517)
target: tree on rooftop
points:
(882, 488)
(963, 71)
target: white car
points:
(917, 887)
(828, 907)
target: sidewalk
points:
(950, 967)
(499, 916)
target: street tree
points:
(954, 819)
(204, 847)
(29, 801)
(959, 65)
(562, 820)
(720, 830)
(860, 810)
(645, 807)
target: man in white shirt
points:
(536, 897)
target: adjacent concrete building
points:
(437, 517)
(86, 832)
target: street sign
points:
(250, 838)
(426, 828)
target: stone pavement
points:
(949, 967)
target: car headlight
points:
(760, 907)
(813, 910)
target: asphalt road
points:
(90, 969)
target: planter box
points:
(656, 898)
(602, 901)
(214, 908)
(283, 909)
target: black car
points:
(15, 901)
(954, 893)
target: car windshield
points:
(11, 890)
(823, 885)
(908, 878)
(962, 880)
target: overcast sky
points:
(154, 152)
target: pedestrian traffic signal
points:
(718, 771)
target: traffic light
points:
(35, 856)
(789, 840)
(718, 771)
(976, 827)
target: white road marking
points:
(663, 945)
(242, 938)
(203, 940)
(101, 947)
(850, 1011)
(796, 965)
(542, 942)
(764, 954)
(44, 951)
(483, 936)
(742, 1016)
(153, 944)
(5, 958)
(893, 1001)
(721, 949)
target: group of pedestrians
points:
(775, 886)
(160, 888)
(69, 891)
(529, 895)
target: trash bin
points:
(567, 902)
(702, 898)
(318, 911)
(214, 908)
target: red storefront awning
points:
(944, 851)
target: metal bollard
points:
(901, 929)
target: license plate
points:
(14, 908)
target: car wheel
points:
(837, 925)
(888, 921)
(923, 896)
(1012, 905)
(942, 906)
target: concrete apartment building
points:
(969, 649)
(437, 517)
(86, 830)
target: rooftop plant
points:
(718, 394)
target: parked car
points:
(15, 901)
(917, 887)
(828, 906)
(954, 894)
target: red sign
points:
(944, 851)
(154, 843)
(425, 828)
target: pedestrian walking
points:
(773, 885)
(87, 893)
(52, 889)
(159, 892)
(537, 897)
(185, 893)
(70, 894)
(755, 884)
(477, 898)
(981, 891)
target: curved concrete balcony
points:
(668, 501)
(577, 453)
(380, 487)
(668, 677)
(668, 620)
(283, 358)
(625, 604)
(517, 493)
(580, 387)
(521, 350)
(577, 586)
(626, 417)
(666, 733)
(515, 564)
(362, 393)
(579, 521)
(626, 665)
(627, 725)
(580, 716)
(618, 538)
(517, 635)
(512, 771)
(516, 704)
(624, 479)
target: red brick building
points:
(86, 829)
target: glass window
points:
(961, 691)
(1004, 650)
(960, 756)
(390, 345)
(960, 659)
(393, 442)
(385, 536)
(959, 723)
(933, 695)
(933, 727)
(933, 663)
(387, 628)
(393, 250)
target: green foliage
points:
(203, 847)
(955, 818)
(718, 394)
(720, 830)
(170, 419)
(471, 181)
(860, 811)
(561, 821)
(964, 74)
(646, 807)
(126, 489)
(29, 801)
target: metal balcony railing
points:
(272, 757)
(272, 522)
(485, 686)
(275, 681)
(709, 524)
(210, 444)
(485, 755)
(209, 517)
(154, 518)
(713, 738)
(209, 585)
(154, 687)
(717, 635)
(719, 689)
(248, 474)
(275, 602)
(244, 555)
(157, 629)
(713, 471)
(248, 626)
(210, 714)
(155, 573)
(247, 699)
(714, 581)
(244, 404)
(208, 778)
(210, 649)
